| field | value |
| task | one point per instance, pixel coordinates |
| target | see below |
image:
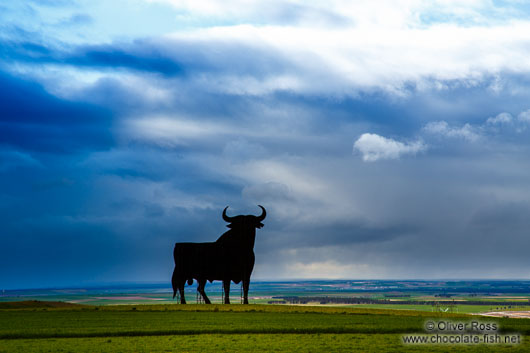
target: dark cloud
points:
(33, 119)
(138, 57)
(508, 218)
(347, 234)
(169, 58)
(23, 50)
(115, 57)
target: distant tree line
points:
(397, 295)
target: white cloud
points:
(387, 13)
(374, 147)
(174, 130)
(502, 118)
(347, 60)
(258, 48)
(165, 128)
(524, 116)
(300, 183)
(383, 45)
(442, 128)
(499, 125)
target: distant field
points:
(417, 300)
(469, 296)
(157, 299)
(460, 308)
(55, 327)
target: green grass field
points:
(61, 327)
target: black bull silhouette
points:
(230, 258)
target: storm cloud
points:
(385, 140)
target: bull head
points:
(251, 221)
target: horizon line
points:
(159, 283)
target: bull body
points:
(230, 258)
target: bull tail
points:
(174, 282)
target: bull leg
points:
(181, 292)
(175, 282)
(200, 288)
(178, 284)
(226, 286)
(246, 285)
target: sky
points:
(386, 139)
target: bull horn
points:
(225, 217)
(263, 214)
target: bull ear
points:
(226, 218)
(263, 214)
